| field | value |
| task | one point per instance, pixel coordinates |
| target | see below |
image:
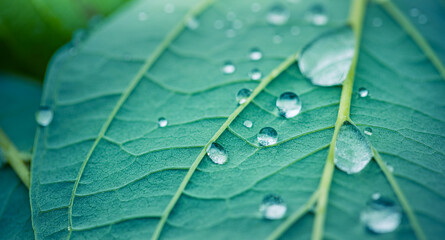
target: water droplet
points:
(377, 22)
(422, 19)
(267, 136)
(243, 95)
(363, 92)
(389, 167)
(217, 153)
(44, 116)
(277, 39)
(255, 7)
(326, 60)
(68, 228)
(381, 215)
(219, 24)
(162, 122)
(255, 74)
(228, 67)
(248, 124)
(352, 151)
(375, 196)
(169, 8)
(367, 131)
(192, 23)
(414, 12)
(317, 15)
(278, 14)
(288, 104)
(273, 207)
(230, 33)
(295, 31)
(231, 16)
(255, 54)
(237, 24)
(142, 16)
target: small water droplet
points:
(278, 14)
(277, 39)
(217, 153)
(352, 150)
(377, 22)
(267, 136)
(389, 167)
(363, 92)
(228, 68)
(248, 124)
(142, 16)
(255, 74)
(255, 54)
(255, 7)
(326, 61)
(288, 104)
(44, 116)
(317, 15)
(162, 122)
(243, 95)
(169, 8)
(230, 33)
(422, 19)
(367, 131)
(375, 196)
(414, 12)
(68, 228)
(219, 24)
(192, 23)
(295, 31)
(231, 16)
(273, 207)
(381, 215)
(237, 24)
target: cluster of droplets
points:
(255, 74)
(416, 14)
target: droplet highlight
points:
(217, 153)
(255, 74)
(162, 122)
(326, 61)
(248, 124)
(288, 104)
(243, 95)
(267, 136)
(363, 92)
(273, 207)
(278, 14)
(255, 54)
(228, 67)
(381, 215)
(352, 150)
(44, 116)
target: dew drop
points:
(368, 131)
(277, 39)
(326, 60)
(381, 215)
(255, 54)
(169, 8)
(217, 153)
(377, 22)
(422, 19)
(228, 67)
(278, 14)
(230, 33)
(288, 104)
(295, 31)
(317, 15)
(273, 207)
(237, 24)
(363, 92)
(231, 16)
(142, 16)
(255, 74)
(352, 150)
(162, 122)
(219, 24)
(192, 23)
(267, 136)
(414, 12)
(243, 95)
(255, 7)
(375, 196)
(390, 168)
(248, 124)
(44, 116)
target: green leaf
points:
(20, 99)
(105, 169)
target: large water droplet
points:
(273, 207)
(267, 136)
(368, 131)
(248, 124)
(363, 92)
(381, 215)
(278, 14)
(192, 23)
(162, 122)
(326, 61)
(243, 95)
(228, 68)
(217, 153)
(288, 104)
(352, 150)
(44, 116)
(255, 54)
(255, 74)
(317, 15)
